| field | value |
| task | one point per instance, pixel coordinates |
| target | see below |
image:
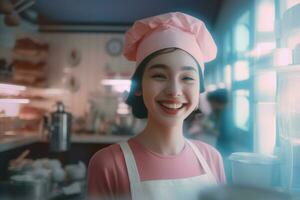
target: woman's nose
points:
(174, 89)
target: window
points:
(241, 70)
(241, 109)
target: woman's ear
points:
(138, 93)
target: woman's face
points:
(170, 87)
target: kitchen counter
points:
(104, 139)
(83, 147)
(8, 142)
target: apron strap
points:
(200, 158)
(134, 178)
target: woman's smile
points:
(171, 107)
(171, 86)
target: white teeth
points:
(172, 105)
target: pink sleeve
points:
(107, 175)
(214, 160)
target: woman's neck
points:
(165, 140)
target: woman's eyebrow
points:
(188, 68)
(158, 66)
(162, 66)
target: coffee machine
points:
(58, 125)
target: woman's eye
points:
(158, 76)
(187, 78)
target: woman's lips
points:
(171, 107)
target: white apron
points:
(170, 189)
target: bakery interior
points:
(64, 81)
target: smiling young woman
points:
(170, 88)
(159, 163)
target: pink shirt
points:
(107, 172)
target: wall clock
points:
(114, 46)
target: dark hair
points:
(139, 109)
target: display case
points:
(277, 76)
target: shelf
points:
(287, 68)
(12, 142)
(106, 139)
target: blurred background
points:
(63, 82)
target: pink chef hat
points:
(169, 30)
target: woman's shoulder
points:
(108, 153)
(107, 174)
(107, 156)
(210, 153)
(213, 158)
(206, 149)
